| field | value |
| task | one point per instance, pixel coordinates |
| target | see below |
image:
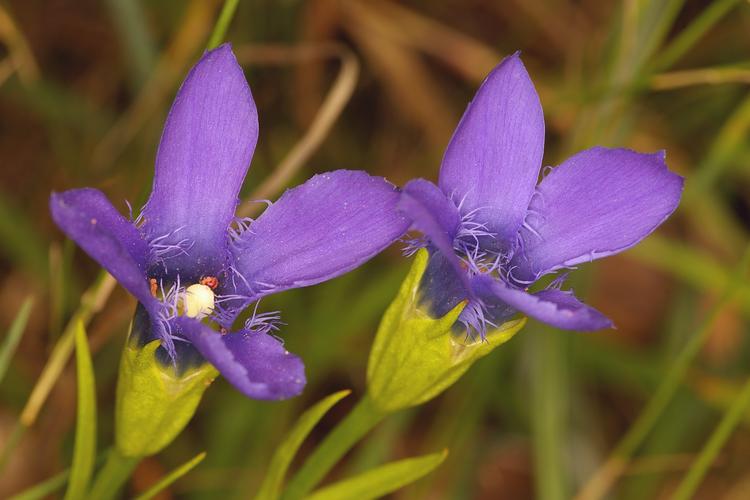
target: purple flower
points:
(189, 261)
(492, 231)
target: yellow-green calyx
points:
(154, 402)
(416, 357)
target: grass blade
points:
(689, 36)
(43, 489)
(222, 24)
(711, 449)
(84, 454)
(132, 29)
(14, 336)
(382, 480)
(285, 453)
(172, 477)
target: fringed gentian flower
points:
(492, 231)
(190, 262)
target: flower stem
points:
(112, 475)
(548, 396)
(713, 446)
(220, 28)
(355, 425)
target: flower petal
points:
(257, 364)
(442, 288)
(89, 219)
(441, 210)
(435, 216)
(329, 225)
(556, 307)
(492, 162)
(205, 150)
(598, 202)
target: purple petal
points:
(556, 307)
(442, 210)
(435, 216)
(329, 225)
(89, 219)
(205, 150)
(257, 364)
(492, 162)
(598, 202)
(441, 287)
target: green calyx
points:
(154, 402)
(416, 357)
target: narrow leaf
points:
(43, 489)
(172, 477)
(381, 480)
(285, 453)
(84, 453)
(47, 487)
(14, 336)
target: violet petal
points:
(555, 307)
(598, 202)
(257, 364)
(435, 216)
(326, 227)
(205, 151)
(88, 218)
(492, 162)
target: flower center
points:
(199, 301)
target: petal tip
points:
(223, 51)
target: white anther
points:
(199, 301)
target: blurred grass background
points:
(84, 90)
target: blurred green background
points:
(85, 86)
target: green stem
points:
(112, 475)
(549, 416)
(357, 423)
(713, 446)
(220, 28)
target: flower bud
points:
(416, 357)
(155, 399)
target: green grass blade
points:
(222, 24)
(46, 487)
(43, 489)
(711, 449)
(132, 28)
(382, 480)
(14, 335)
(689, 36)
(84, 454)
(598, 485)
(357, 423)
(285, 453)
(172, 477)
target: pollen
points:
(199, 301)
(209, 281)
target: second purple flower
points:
(493, 231)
